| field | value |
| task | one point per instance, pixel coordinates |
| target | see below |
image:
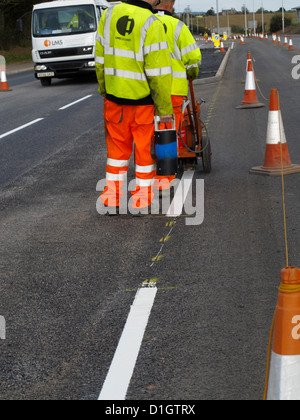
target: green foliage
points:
(7, 38)
(235, 29)
(276, 22)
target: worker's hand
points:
(165, 119)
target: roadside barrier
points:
(283, 366)
(3, 85)
(250, 98)
(277, 158)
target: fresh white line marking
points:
(20, 128)
(121, 370)
(181, 193)
(76, 102)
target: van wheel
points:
(46, 81)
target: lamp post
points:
(246, 25)
(218, 19)
(283, 25)
(262, 18)
(254, 29)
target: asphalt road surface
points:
(69, 276)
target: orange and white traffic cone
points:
(277, 158)
(250, 98)
(291, 46)
(286, 42)
(283, 379)
(279, 40)
(249, 58)
(4, 85)
(222, 46)
(242, 40)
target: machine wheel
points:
(207, 153)
(46, 81)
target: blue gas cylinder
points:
(166, 150)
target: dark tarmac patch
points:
(211, 61)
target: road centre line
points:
(2, 136)
(74, 103)
(121, 370)
(20, 128)
(119, 376)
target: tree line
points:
(14, 16)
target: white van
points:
(64, 36)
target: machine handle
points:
(194, 107)
(157, 122)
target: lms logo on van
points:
(48, 43)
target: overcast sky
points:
(204, 5)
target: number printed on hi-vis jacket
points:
(296, 330)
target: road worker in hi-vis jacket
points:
(186, 58)
(134, 72)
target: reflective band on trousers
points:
(144, 182)
(116, 177)
(117, 163)
(145, 169)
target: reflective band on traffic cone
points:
(277, 158)
(4, 85)
(250, 98)
(291, 47)
(284, 377)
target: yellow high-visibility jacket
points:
(133, 62)
(186, 56)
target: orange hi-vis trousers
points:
(163, 182)
(125, 125)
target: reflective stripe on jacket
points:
(186, 56)
(132, 57)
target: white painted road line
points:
(181, 193)
(20, 128)
(41, 119)
(121, 370)
(76, 102)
